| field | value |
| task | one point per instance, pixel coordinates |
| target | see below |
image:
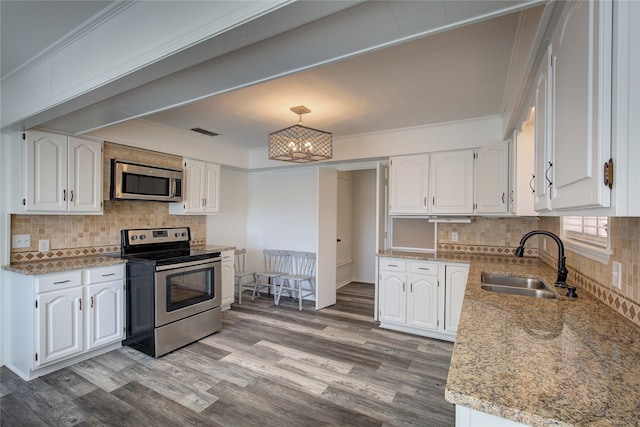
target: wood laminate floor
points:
(269, 366)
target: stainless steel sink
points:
(513, 281)
(515, 285)
(536, 293)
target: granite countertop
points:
(62, 264)
(538, 361)
(78, 263)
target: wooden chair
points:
(276, 264)
(243, 279)
(303, 266)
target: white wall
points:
(9, 191)
(363, 248)
(230, 226)
(4, 240)
(282, 212)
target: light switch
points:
(43, 245)
(616, 275)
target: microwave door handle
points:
(173, 187)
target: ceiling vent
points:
(205, 132)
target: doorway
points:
(356, 227)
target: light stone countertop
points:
(82, 262)
(63, 264)
(541, 362)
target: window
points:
(587, 236)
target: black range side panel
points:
(140, 306)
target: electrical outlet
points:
(21, 241)
(43, 245)
(454, 236)
(616, 275)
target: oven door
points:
(185, 289)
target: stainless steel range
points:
(173, 291)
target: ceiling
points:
(452, 75)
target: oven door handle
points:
(188, 264)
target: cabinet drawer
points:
(55, 281)
(227, 255)
(430, 268)
(392, 264)
(103, 274)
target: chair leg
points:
(299, 295)
(277, 291)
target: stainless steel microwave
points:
(133, 181)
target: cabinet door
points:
(422, 302)
(84, 182)
(581, 105)
(393, 297)
(452, 182)
(211, 188)
(59, 320)
(194, 175)
(455, 284)
(542, 151)
(492, 178)
(409, 184)
(45, 155)
(104, 313)
(228, 272)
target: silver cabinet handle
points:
(503, 198)
(110, 274)
(546, 174)
(64, 195)
(61, 282)
(71, 199)
(91, 302)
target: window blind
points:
(591, 230)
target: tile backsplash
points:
(595, 277)
(78, 235)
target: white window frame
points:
(582, 246)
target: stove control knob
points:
(142, 237)
(134, 237)
(184, 234)
(177, 234)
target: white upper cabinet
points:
(409, 184)
(201, 188)
(542, 153)
(580, 106)
(63, 174)
(452, 182)
(492, 172)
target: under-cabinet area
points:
(418, 296)
(61, 318)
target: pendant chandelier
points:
(300, 144)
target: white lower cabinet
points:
(420, 297)
(467, 417)
(228, 277)
(60, 324)
(455, 283)
(57, 319)
(104, 317)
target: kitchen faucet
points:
(561, 279)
